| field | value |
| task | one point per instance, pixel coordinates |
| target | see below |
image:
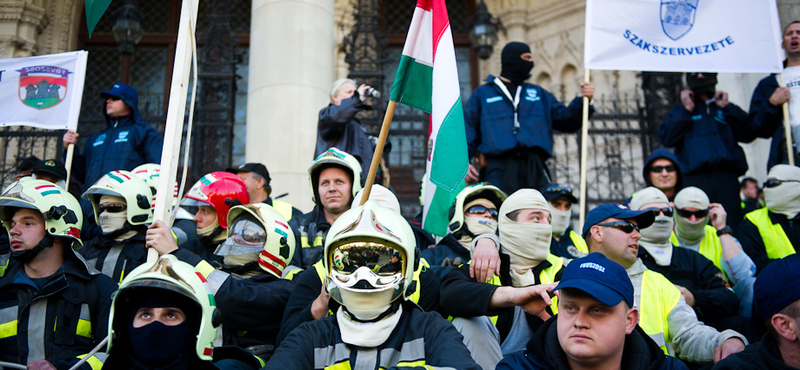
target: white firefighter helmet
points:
(358, 257)
(259, 228)
(480, 190)
(123, 184)
(167, 274)
(334, 157)
(61, 211)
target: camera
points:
(371, 92)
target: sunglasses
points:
(480, 210)
(658, 169)
(626, 226)
(698, 214)
(114, 98)
(771, 183)
(666, 211)
(112, 208)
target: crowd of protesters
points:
(697, 269)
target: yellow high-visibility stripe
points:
(8, 329)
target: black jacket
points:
(753, 245)
(763, 354)
(463, 296)
(53, 313)
(769, 119)
(338, 127)
(115, 259)
(306, 228)
(448, 248)
(307, 286)
(544, 353)
(714, 299)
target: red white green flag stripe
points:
(427, 79)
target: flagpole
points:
(584, 151)
(787, 127)
(70, 153)
(376, 157)
(173, 130)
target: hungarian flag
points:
(427, 79)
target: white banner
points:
(44, 91)
(683, 35)
(791, 78)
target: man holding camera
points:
(338, 126)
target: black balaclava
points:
(29, 254)
(706, 85)
(157, 345)
(515, 68)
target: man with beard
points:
(702, 285)
(772, 232)
(511, 122)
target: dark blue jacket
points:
(489, 119)
(768, 118)
(707, 137)
(545, 353)
(126, 143)
(448, 247)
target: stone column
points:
(291, 69)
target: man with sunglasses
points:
(692, 231)
(473, 213)
(702, 285)
(126, 142)
(662, 170)
(499, 317)
(705, 130)
(772, 232)
(566, 242)
(613, 230)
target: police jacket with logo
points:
(489, 119)
(714, 299)
(420, 339)
(545, 353)
(308, 284)
(783, 232)
(250, 309)
(463, 296)
(707, 137)
(64, 319)
(115, 259)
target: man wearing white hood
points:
(527, 270)
(692, 231)
(772, 232)
(701, 284)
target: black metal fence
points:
(20, 142)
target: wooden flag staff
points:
(584, 152)
(376, 157)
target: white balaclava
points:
(560, 221)
(477, 225)
(784, 199)
(112, 222)
(690, 232)
(527, 244)
(655, 238)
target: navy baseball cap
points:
(600, 277)
(122, 91)
(554, 191)
(776, 286)
(251, 167)
(643, 218)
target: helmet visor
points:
(367, 265)
(246, 235)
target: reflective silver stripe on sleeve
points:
(215, 280)
(327, 356)
(366, 359)
(36, 330)
(8, 314)
(110, 262)
(85, 314)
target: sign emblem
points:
(42, 87)
(677, 17)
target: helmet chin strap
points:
(29, 254)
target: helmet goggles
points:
(245, 236)
(367, 266)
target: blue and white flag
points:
(683, 35)
(44, 91)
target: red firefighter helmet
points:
(220, 190)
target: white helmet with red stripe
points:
(151, 173)
(259, 228)
(137, 194)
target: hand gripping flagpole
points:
(787, 127)
(376, 157)
(584, 151)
